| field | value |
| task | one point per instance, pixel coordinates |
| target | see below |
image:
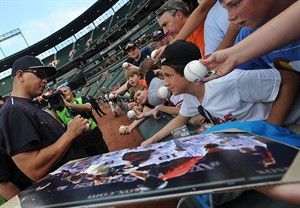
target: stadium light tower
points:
(11, 34)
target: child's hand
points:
(123, 130)
(147, 142)
(131, 105)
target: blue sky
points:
(36, 19)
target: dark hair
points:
(148, 65)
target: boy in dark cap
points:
(238, 96)
(134, 52)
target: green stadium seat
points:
(136, 6)
(151, 125)
(63, 55)
(48, 60)
(93, 89)
(115, 78)
(6, 85)
(101, 29)
(107, 82)
(120, 16)
(81, 44)
(118, 79)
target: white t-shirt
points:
(215, 27)
(239, 96)
(176, 100)
(189, 107)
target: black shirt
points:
(144, 53)
(25, 127)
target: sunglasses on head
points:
(171, 9)
(39, 73)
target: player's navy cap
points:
(32, 63)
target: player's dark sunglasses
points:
(39, 73)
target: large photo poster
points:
(195, 164)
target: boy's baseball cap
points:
(33, 63)
(180, 52)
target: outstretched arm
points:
(195, 19)
(123, 88)
(85, 107)
(281, 30)
(290, 83)
(287, 192)
(230, 36)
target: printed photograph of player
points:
(199, 161)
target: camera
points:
(55, 100)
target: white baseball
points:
(131, 114)
(122, 129)
(153, 53)
(195, 71)
(111, 96)
(87, 126)
(125, 65)
(163, 92)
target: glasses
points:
(205, 114)
(39, 73)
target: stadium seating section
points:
(75, 50)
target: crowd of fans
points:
(253, 84)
